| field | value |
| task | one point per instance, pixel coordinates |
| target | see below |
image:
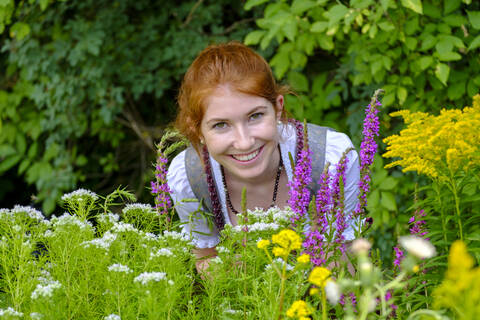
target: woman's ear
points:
(279, 106)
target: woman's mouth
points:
(247, 156)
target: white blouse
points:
(198, 228)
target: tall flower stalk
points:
(368, 148)
(159, 186)
(299, 194)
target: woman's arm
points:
(203, 257)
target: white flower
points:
(123, 227)
(48, 233)
(112, 317)
(137, 206)
(16, 228)
(176, 235)
(221, 249)
(150, 236)
(67, 219)
(332, 291)
(217, 259)
(80, 194)
(258, 226)
(170, 282)
(146, 277)
(10, 312)
(108, 218)
(419, 247)
(117, 267)
(279, 261)
(36, 316)
(31, 212)
(163, 252)
(360, 246)
(45, 290)
(102, 243)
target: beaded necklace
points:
(275, 186)
(218, 218)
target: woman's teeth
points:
(246, 157)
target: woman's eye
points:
(220, 125)
(256, 116)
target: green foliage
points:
(90, 85)
(423, 53)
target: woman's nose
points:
(244, 141)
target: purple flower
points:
(418, 226)
(338, 200)
(302, 176)
(313, 245)
(398, 256)
(159, 186)
(368, 148)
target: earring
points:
(201, 141)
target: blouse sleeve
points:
(337, 143)
(195, 222)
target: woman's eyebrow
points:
(255, 109)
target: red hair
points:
(232, 64)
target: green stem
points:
(324, 304)
(282, 290)
(440, 205)
(457, 206)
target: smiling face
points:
(240, 132)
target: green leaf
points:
(425, 62)
(280, 62)
(388, 184)
(254, 37)
(51, 152)
(325, 42)
(9, 162)
(442, 71)
(451, 5)
(21, 143)
(43, 4)
(252, 3)
(290, 30)
(387, 200)
(411, 43)
(474, 18)
(23, 166)
(335, 14)
(386, 26)
(428, 42)
(4, 3)
(415, 5)
(401, 94)
(298, 81)
(475, 43)
(456, 90)
(300, 6)
(449, 56)
(319, 26)
(444, 46)
(19, 30)
(455, 20)
(388, 99)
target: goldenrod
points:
(319, 276)
(437, 146)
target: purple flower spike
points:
(338, 200)
(160, 188)
(368, 148)
(299, 194)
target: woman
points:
(232, 111)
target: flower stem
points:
(282, 290)
(457, 206)
(324, 304)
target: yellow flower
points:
(304, 258)
(319, 276)
(262, 244)
(437, 146)
(287, 240)
(460, 290)
(314, 291)
(279, 252)
(416, 268)
(299, 310)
